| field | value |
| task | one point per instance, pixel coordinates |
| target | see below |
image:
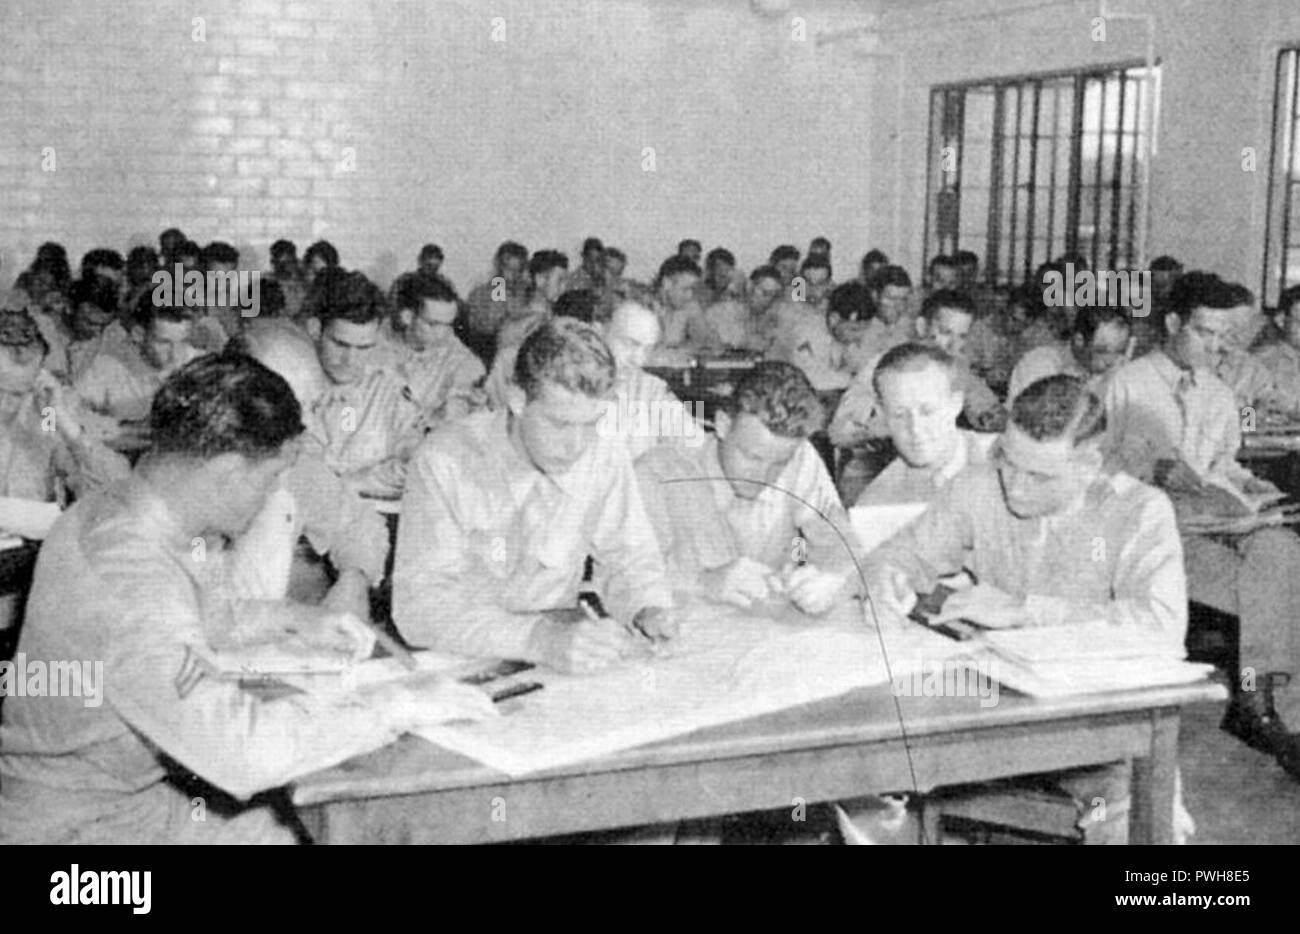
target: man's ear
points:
(404, 318)
(1076, 344)
(922, 327)
(1173, 324)
(721, 423)
(313, 328)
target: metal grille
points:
(1027, 169)
(1282, 247)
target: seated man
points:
(121, 386)
(118, 581)
(428, 266)
(367, 420)
(91, 327)
(46, 456)
(632, 334)
(751, 514)
(1027, 527)
(850, 310)
(547, 270)
(895, 320)
(816, 273)
(803, 337)
(1278, 363)
(720, 282)
(920, 400)
(444, 375)
(1175, 423)
(944, 322)
(313, 515)
(504, 296)
(681, 319)
(503, 508)
(1099, 344)
(785, 260)
(747, 324)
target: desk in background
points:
(416, 792)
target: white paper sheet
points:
(875, 525)
(727, 667)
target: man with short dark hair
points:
(720, 282)
(749, 324)
(590, 274)
(444, 375)
(680, 316)
(945, 321)
(751, 514)
(135, 576)
(502, 298)
(1100, 343)
(785, 260)
(121, 385)
(320, 256)
(1174, 422)
(503, 508)
(547, 270)
(367, 420)
(691, 250)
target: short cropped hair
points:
(779, 395)
(913, 356)
(430, 250)
(719, 255)
(892, 275)
(225, 403)
(1197, 289)
(1059, 406)
(613, 252)
(351, 297)
(565, 353)
(783, 252)
(966, 258)
(218, 251)
(675, 266)
(188, 248)
(766, 271)
(851, 301)
(509, 249)
(1165, 263)
(412, 290)
(101, 257)
(815, 261)
(544, 261)
(946, 298)
(579, 304)
(685, 244)
(283, 248)
(819, 245)
(943, 259)
(325, 250)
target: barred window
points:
(1282, 246)
(1023, 170)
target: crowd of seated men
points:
(1032, 429)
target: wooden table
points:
(415, 792)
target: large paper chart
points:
(729, 665)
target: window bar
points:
(1075, 180)
(1096, 186)
(931, 198)
(1138, 117)
(1051, 180)
(961, 151)
(995, 183)
(1033, 184)
(1015, 188)
(1117, 177)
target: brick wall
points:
(382, 125)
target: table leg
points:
(1151, 817)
